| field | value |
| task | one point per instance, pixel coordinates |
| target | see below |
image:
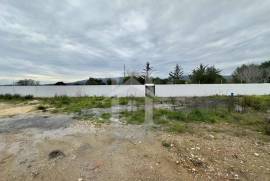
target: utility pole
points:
(147, 72)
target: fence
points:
(182, 90)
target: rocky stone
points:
(56, 154)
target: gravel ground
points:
(39, 146)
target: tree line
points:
(203, 74)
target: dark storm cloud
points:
(73, 39)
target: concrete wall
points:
(189, 90)
(139, 90)
(76, 91)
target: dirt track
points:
(125, 152)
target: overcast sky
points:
(53, 40)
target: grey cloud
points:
(74, 39)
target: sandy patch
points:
(8, 110)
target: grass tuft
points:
(135, 117)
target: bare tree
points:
(248, 74)
(266, 75)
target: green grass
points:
(15, 98)
(177, 127)
(76, 104)
(168, 114)
(258, 103)
(162, 116)
(177, 121)
(135, 117)
(198, 115)
(106, 116)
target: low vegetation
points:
(16, 98)
(178, 121)
(76, 104)
(259, 103)
(98, 119)
(248, 112)
(133, 117)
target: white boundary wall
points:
(180, 90)
(76, 91)
(189, 90)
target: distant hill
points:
(118, 80)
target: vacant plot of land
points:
(56, 142)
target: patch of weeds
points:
(161, 115)
(101, 121)
(87, 117)
(165, 144)
(123, 101)
(103, 118)
(162, 121)
(177, 127)
(16, 98)
(54, 111)
(135, 117)
(202, 116)
(42, 108)
(258, 103)
(76, 104)
(253, 120)
(196, 115)
(140, 101)
(106, 116)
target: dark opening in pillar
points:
(149, 90)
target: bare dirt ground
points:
(42, 146)
(11, 110)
